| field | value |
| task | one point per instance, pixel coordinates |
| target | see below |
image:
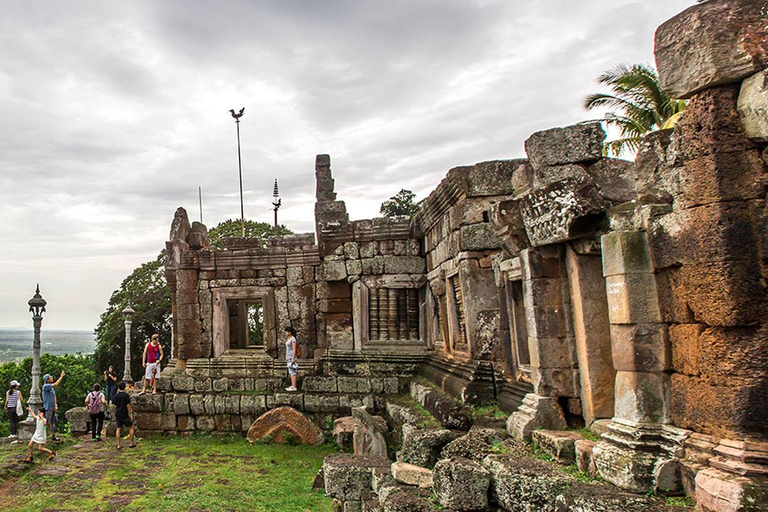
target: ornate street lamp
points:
(127, 314)
(276, 202)
(37, 308)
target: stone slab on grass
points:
(349, 477)
(560, 444)
(461, 484)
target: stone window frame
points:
(360, 303)
(453, 278)
(512, 273)
(220, 320)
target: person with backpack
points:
(96, 403)
(292, 355)
(14, 407)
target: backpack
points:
(94, 403)
(298, 350)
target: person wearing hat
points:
(14, 403)
(49, 401)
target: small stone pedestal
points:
(27, 429)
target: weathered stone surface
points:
(475, 445)
(720, 491)
(147, 402)
(560, 444)
(640, 398)
(410, 474)
(343, 430)
(641, 347)
(279, 422)
(180, 404)
(406, 498)
(572, 144)
(524, 483)
(544, 176)
(478, 237)
(78, 419)
(753, 106)
(713, 43)
(461, 484)
(349, 477)
(604, 498)
(370, 434)
(584, 462)
(422, 446)
(183, 383)
(615, 179)
(535, 412)
(318, 384)
(445, 409)
(321, 402)
(197, 404)
(156, 421)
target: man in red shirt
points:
(150, 360)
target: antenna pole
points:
(200, 199)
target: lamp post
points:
(237, 117)
(127, 314)
(276, 202)
(37, 308)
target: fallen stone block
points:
(445, 409)
(461, 484)
(283, 423)
(422, 446)
(475, 445)
(349, 477)
(370, 435)
(713, 43)
(584, 461)
(525, 483)
(753, 106)
(343, 430)
(558, 443)
(411, 474)
(570, 145)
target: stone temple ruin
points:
(573, 289)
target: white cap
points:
(15, 383)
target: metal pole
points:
(200, 198)
(240, 171)
(35, 397)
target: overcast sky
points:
(113, 113)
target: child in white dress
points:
(39, 438)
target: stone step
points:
(560, 444)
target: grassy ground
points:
(171, 473)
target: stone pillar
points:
(638, 452)
(550, 340)
(592, 332)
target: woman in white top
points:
(14, 403)
(291, 356)
(40, 437)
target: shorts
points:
(50, 416)
(123, 421)
(152, 368)
(292, 368)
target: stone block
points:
(147, 402)
(625, 252)
(641, 347)
(209, 401)
(180, 404)
(553, 352)
(205, 423)
(718, 490)
(349, 477)
(560, 444)
(404, 265)
(544, 176)
(555, 382)
(572, 144)
(354, 384)
(196, 405)
(713, 43)
(478, 237)
(475, 445)
(317, 384)
(202, 385)
(615, 178)
(544, 262)
(78, 418)
(321, 403)
(183, 383)
(161, 421)
(641, 398)
(410, 474)
(523, 483)
(185, 423)
(632, 298)
(220, 385)
(295, 400)
(535, 412)
(343, 431)
(422, 446)
(253, 405)
(584, 461)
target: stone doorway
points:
(244, 320)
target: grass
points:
(680, 501)
(489, 410)
(426, 419)
(171, 473)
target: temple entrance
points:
(246, 324)
(244, 319)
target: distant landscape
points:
(15, 345)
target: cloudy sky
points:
(113, 113)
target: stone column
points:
(550, 340)
(638, 451)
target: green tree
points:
(400, 205)
(231, 228)
(147, 292)
(639, 105)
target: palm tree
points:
(640, 106)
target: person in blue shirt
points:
(49, 402)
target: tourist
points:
(95, 402)
(123, 414)
(39, 437)
(14, 407)
(110, 376)
(50, 404)
(150, 360)
(291, 355)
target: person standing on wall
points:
(150, 360)
(14, 403)
(110, 376)
(292, 354)
(95, 402)
(50, 404)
